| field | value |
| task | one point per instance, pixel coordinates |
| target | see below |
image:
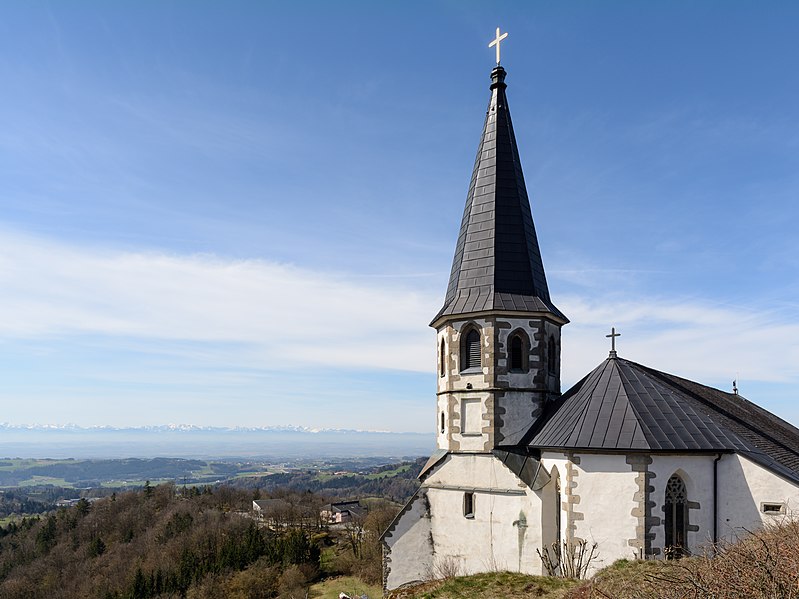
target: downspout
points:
(716, 500)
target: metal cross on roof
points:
(613, 335)
(496, 41)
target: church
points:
(631, 462)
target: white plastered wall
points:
(410, 545)
(606, 487)
(555, 462)
(743, 487)
(505, 530)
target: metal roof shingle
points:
(622, 405)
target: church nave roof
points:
(622, 405)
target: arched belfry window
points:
(552, 359)
(470, 352)
(442, 359)
(517, 352)
(442, 423)
(676, 520)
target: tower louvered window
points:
(676, 520)
(471, 350)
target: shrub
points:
(762, 563)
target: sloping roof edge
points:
(421, 492)
(524, 465)
(435, 458)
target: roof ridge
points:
(748, 425)
(645, 430)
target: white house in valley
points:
(642, 463)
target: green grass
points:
(331, 587)
(323, 477)
(35, 481)
(626, 578)
(11, 465)
(388, 473)
(5, 521)
(327, 560)
(494, 585)
(326, 476)
(373, 503)
(249, 474)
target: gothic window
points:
(552, 362)
(442, 423)
(442, 359)
(518, 349)
(676, 521)
(470, 352)
(468, 505)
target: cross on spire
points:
(613, 335)
(496, 41)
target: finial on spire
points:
(613, 335)
(496, 41)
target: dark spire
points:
(497, 264)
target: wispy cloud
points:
(689, 337)
(264, 313)
(286, 314)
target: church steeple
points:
(498, 333)
(497, 264)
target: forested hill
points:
(393, 481)
(339, 478)
(167, 542)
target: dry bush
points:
(763, 564)
(259, 581)
(364, 557)
(293, 583)
(444, 568)
(570, 559)
(212, 587)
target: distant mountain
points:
(186, 428)
(187, 440)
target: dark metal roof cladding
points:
(497, 264)
(622, 405)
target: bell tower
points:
(498, 332)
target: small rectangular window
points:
(772, 508)
(468, 505)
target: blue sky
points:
(244, 213)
